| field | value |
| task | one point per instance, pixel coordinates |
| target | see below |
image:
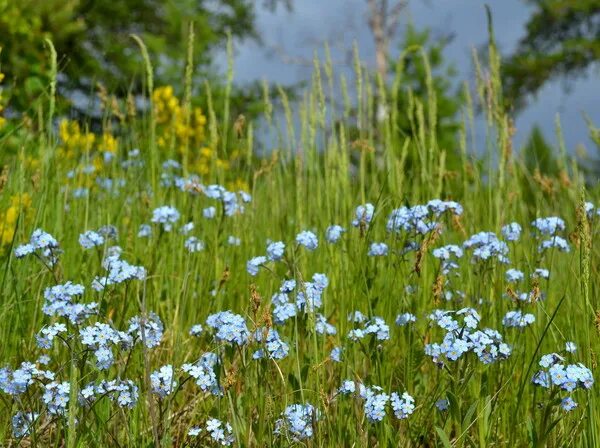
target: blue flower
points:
(541, 273)
(233, 240)
(548, 226)
(204, 374)
(119, 271)
(550, 359)
(486, 246)
(448, 252)
(334, 233)
(442, 404)
(194, 431)
(209, 212)
(162, 381)
(322, 326)
(275, 251)
(557, 242)
(165, 215)
(310, 297)
(17, 382)
(288, 286)
(171, 164)
(411, 219)
(283, 312)
(378, 250)
(274, 346)
(517, 319)
(144, 231)
(59, 301)
(375, 326)
(152, 329)
(336, 354)
(186, 228)
(570, 347)
(514, 276)
(22, 423)
(47, 335)
(253, 264)
(196, 330)
(512, 231)
(363, 214)
(193, 244)
(297, 422)
(307, 239)
(42, 243)
(403, 405)
(230, 327)
(90, 239)
(124, 392)
(438, 207)
(220, 433)
(568, 404)
(56, 397)
(405, 318)
(375, 404)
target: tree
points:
(384, 17)
(92, 39)
(562, 40)
(414, 78)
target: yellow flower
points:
(237, 185)
(20, 204)
(109, 143)
(206, 152)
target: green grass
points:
(313, 175)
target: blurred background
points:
(549, 49)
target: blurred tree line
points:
(92, 39)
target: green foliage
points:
(562, 40)
(92, 39)
(426, 78)
(539, 154)
(309, 183)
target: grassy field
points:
(353, 352)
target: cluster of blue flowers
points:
(567, 377)
(16, 382)
(59, 301)
(296, 299)
(203, 371)
(297, 422)
(230, 327)
(487, 246)
(292, 299)
(463, 337)
(550, 227)
(374, 326)
(162, 381)
(517, 319)
(421, 219)
(124, 392)
(274, 347)
(41, 244)
(90, 239)
(376, 400)
(218, 433)
(119, 271)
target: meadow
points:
(173, 279)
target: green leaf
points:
(443, 437)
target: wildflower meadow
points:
(175, 276)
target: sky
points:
(290, 39)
